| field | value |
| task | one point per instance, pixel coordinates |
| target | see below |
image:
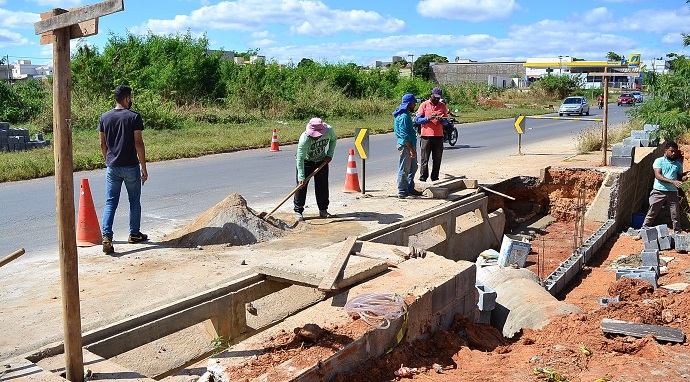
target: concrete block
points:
(649, 127)
(623, 150)
(639, 134)
(605, 301)
(443, 295)
(649, 234)
(380, 341)
(662, 230)
(632, 142)
(484, 317)
(436, 192)
(664, 243)
(620, 161)
(682, 242)
(650, 258)
(420, 323)
(654, 244)
(487, 297)
(647, 274)
(4, 125)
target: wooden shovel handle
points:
(11, 256)
(297, 188)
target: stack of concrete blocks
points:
(18, 139)
(656, 238)
(623, 153)
(487, 303)
(568, 269)
(644, 273)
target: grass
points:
(200, 138)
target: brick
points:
(654, 244)
(682, 242)
(487, 297)
(622, 150)
(662, 230)
(649, 234)
(620, 161)
(639, 134)
(664, 243)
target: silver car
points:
(637, 95)
(574, 105)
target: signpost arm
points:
(64, 198)
(364, 176)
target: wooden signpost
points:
(58, 27)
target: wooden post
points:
(57, 27)
(604, 133)
(64, 200)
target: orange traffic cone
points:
(88, 228)
(351, 179)
(274, 141)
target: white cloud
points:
(11, 19)
(58, 3)
(672, 39)
(261, 43)
(262, 34)
(9, 38)
(302, 16)
(2, 2)
(468, 10)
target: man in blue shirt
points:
(407, 146)
(668, 177)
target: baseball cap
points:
(437, 92)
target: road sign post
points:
(362, 146)
(520, 128)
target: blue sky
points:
(363, 31)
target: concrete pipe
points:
(521, 302)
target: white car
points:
(637, 95)
(574, 105)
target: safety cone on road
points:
(351, 179)
(88, 228)
(274, 141)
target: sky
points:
(365, 31)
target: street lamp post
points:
(412, 64)
(560, 64)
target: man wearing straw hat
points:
(316, 147)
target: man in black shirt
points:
(123, 149)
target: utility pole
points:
(604, 132)
(7, 61)
(412, 64)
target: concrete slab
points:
(308, 267)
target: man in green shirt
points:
(668, 177)
(316, 146)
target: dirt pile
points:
(229, 222)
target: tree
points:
(421, 65)
(686, 37)
(612, 56)
(306, 62)
(670, 105)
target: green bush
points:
(22, 100)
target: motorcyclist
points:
(600, 100)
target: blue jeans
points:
(114, 177)
(407, 168)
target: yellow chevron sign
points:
(362, 142)
(520, 124)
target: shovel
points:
(265, 216)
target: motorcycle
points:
(601, 104)
(450, 132)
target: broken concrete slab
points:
(638, 330)
(436, 192)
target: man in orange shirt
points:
(430, 115)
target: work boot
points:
(299, 217)
(416, 193)
(108, 245)
(325, 215)
(137, 238)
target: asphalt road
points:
(180, 190)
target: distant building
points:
(228, 54)
(24, 69)
(502, 74)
